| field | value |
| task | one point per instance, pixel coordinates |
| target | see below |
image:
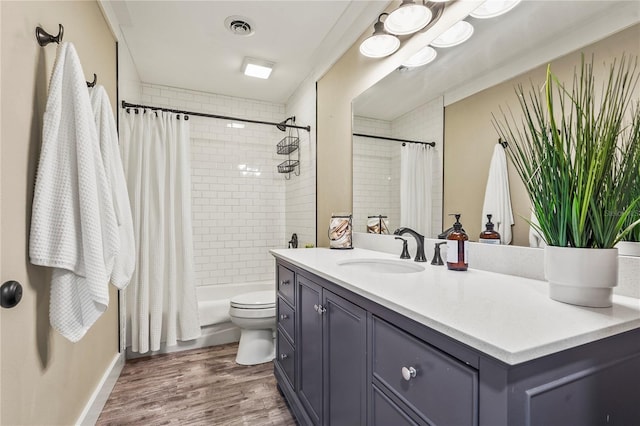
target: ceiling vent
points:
(239, 25)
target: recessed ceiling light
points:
(493, 8)
(408, 18)
(457, 34)
(422, 57)
(235, 125)
(257, 68)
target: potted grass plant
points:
(630, 243)
(577, 150)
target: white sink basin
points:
(381, 266)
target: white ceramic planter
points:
(580, 276)
(628, 248)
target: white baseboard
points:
(92, 410)
(217, 334)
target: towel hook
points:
(45, 38)
(503, 143)
(93, 83)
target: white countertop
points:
(510, 318)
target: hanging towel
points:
(535, 238)
(108, 135)
(73, 225)
(497, 200)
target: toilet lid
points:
(255, 300)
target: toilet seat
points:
(255, 300)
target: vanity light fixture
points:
(459, 33)
(422, 57)
(380, 43)
(257, 68)
(408, 18)
(493, 8)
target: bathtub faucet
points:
(420, 257)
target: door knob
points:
(10, 294)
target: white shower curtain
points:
(416, 177)
(161, 298)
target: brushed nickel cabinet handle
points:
(408, 373)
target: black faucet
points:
(420, 257)
(405, 250)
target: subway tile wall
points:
(238, 198)
(301, 190)
(376, 184)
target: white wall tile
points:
(301, 190)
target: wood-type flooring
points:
(196, 387)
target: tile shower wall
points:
(301, 190)
(376, 183)
(238, 198)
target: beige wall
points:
(45, 379)
(349, 77)
(470, 136)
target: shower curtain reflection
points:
(416, 178)
(161, 299)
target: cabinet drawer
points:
(440, 389)
(286, 319)
(385, 412)
(286, 281)
(286, 358)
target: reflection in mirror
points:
(399, 180)
(461, 88)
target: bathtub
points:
(213, 300)
(215, 323)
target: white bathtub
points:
(215, 323)
(213, 300)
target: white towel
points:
(497, 200)
(535, 238)
(108, 135)
(73, 225)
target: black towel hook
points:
(93, 83)
(45, 38)
(503, 143)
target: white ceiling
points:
(186, 44)
(533, 33)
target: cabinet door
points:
(345, 363)
(309, 344)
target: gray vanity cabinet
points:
(310, 355)
(351, 361)
(285, 363)
(332, 356)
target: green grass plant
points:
(578, 154)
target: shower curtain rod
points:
(125, 104)
(431, 144)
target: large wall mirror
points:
(450, 101)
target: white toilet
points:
(255, 314)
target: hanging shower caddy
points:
(288, 145)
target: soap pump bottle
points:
(489, 235)
(457, 247)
